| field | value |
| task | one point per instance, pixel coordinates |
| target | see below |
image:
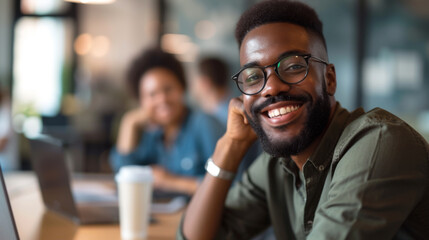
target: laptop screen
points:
(48, 160)
(7, 222)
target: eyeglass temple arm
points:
(319, 60)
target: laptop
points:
(7, 223)
(85, 199)
(92, 201)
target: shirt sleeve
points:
(246, 212)
(143, 154)
(381, 176)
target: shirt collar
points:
(322, 156)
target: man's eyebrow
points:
(291, 53)
(283, 55)
(250, 64)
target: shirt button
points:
(308, 180)
(308, 226)
(186, 164)
(321, 168)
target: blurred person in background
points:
(8, 140)
(211, 89)
(212, 92)
(163, 131)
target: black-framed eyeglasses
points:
(291, 69)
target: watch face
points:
(212, 168)
(216, 171)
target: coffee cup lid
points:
(134, 173)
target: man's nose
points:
(274, 84)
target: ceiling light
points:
(92, 1)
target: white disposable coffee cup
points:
(135, 197)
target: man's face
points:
(307, 103)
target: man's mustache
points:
(255, 109)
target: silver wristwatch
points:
(218, 172)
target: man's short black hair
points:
(279, 11)
(215, 69)
(150, 59)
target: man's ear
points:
(330, 79)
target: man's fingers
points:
(237, 105)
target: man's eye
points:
(294, 68)
(253, 79)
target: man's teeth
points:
(282, 111)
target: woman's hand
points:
(137, 117)
(132, 124)
(162, 179)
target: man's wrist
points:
(229, 153)
(218, 172)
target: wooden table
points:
(34, 222)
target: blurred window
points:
(396, 62)
(42, 61)
(43, 7)
(39, 61)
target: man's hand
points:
(238, 127)
(239, 136)
(205, 209)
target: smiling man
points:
(326, 173)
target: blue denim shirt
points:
(194, 144)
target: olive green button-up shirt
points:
(368, 179)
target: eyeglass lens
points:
(291, 69)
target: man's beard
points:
(316, 122)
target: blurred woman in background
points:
(163, 131)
